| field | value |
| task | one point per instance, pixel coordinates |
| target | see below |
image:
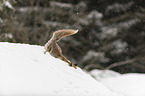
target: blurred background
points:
(111, 32)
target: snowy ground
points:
(131, 84)
(26, 71)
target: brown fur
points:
(53, 48)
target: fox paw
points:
(73, 65)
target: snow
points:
(8, 4)
(26, 71)
(100, 75)
(127, 84)
(131, 84)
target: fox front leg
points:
(66, 60)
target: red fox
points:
(53, 48)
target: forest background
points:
(111, 32)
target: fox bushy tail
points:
(57, 35)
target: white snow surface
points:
(130, 84)
(103, 74)
(26, 71)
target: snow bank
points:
(127, 84)
(26, 70)
(131, 84)
(103, 74)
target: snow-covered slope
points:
(131, 84)
(26, 71)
